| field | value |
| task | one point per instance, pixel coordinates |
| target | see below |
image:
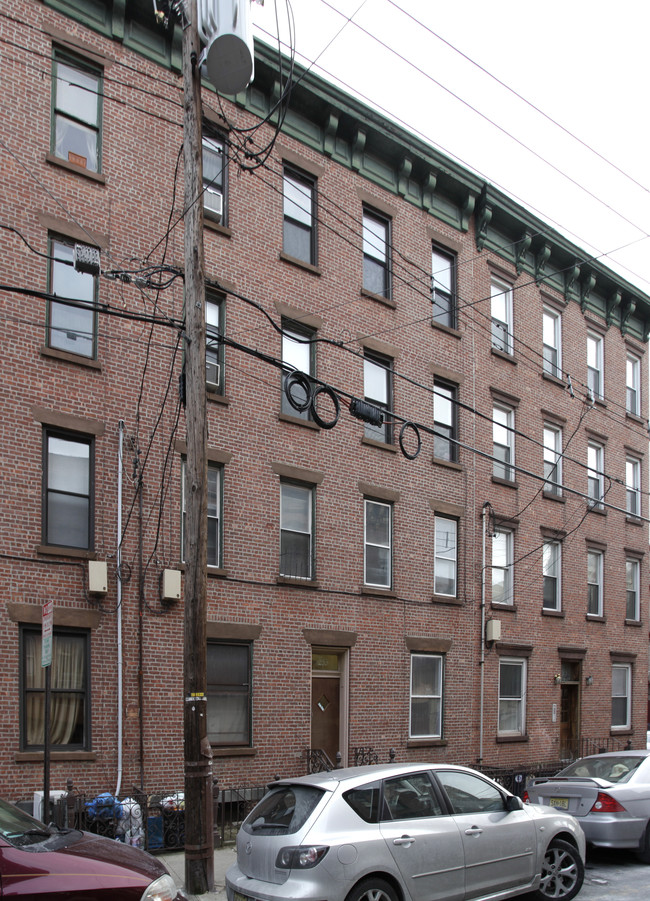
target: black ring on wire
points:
(325, 423)
(304, 382)
(408, 454)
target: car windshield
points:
(19, 829)
(283, 811)
(613, 769)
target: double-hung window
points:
(67, 489)
(299, 222)
(502, 564)
(551, 566)
(632, 588)
(551, 338)
(296, 530)
(426, 696)
(297, 354)
(633, 486)
(214, 518)
(443, 287)
(376, 253)
(633, 385)
(76, 112)
(595, 474)
(512, 696)
(503, 443)
(214, 178)
(594, 583)
(377, 390)
(501, 310)
(595, 379)
(552, 459)
(621, 695)
(71, 328)
(229, 668)
(69, 688)
(213, 344)
(445, 562)
(445, 419)
(378, 543)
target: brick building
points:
(350, 579)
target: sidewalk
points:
(223, 858)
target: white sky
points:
(584, 64)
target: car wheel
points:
(373, 889)
(562, 872)
(644, 848)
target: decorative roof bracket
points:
(541, 259)
(627, 310)
(613, 304)
(483, 217)
(358, 147)
(521, 249)
(429, 189)
(403, 175)
(586, 287)
(330, 129)
(467, 210)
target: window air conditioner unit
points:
(213, 203)
(38, 812)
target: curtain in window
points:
(67, 684)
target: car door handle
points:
(404, 840)
(474, 830)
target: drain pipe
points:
(484, 516)
(120, 460)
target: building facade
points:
(427, 429)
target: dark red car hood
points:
(113, 853)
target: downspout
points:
(484, 516)
(120, 457)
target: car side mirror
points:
(514, 803)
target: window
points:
(70, 328)
(633, 486)
(469, 793)
(503, 437)
(595, 380)
(213, 345)
(426, 696)
(377, 390)
(214, 530)
(632, 605)
(296, 530)
(76, 103)
(551, 564)
(299, 225)
(214, 178)
(229, 693)
(595, 470)
(69, 677)
(621, 701)
(594, 583)
(552, 459)
(445, 564)
(551, 335)
(512, 696)
(297, 353)
(501, 295)
(376, 253)
(68, 490)
(377, 539)
(633, 385)
(443, 287)
(409, 797)
(445, 439)
(502, 567)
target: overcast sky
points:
(583, 64)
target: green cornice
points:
(353, 134)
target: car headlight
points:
(163, 889)
(300, 857)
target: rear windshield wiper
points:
(258, 827)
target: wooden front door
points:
(326, 702)
(570, 710)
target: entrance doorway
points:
(329, 703)
(570, 710)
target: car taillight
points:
(300, 857)
(604, 803)
(525, 798)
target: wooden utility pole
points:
(199, 840)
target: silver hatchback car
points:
(427, 832)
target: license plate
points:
(237, 896)
(561, 803)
